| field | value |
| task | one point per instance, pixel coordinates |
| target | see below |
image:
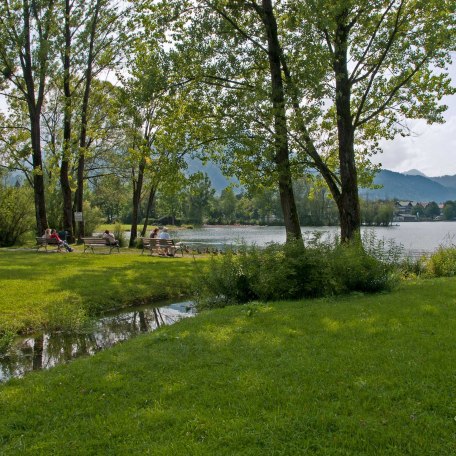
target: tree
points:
(226, 89)
(432, 210)
(228, 203)
(351, 73)
(198, 197)
(378, 59)
(449, 210)
(101, 49)
(110, 195)
(26, 47)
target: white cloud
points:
(431, 149)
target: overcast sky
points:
(431, 149)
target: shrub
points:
(226, 281)
(291, 271)
(6, 338)
(442, 263)
(353, 269)
(413, 267)
(387, 251)
(16, 214)
(92, 218)
(119, 234)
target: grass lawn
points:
(58, 290)
(360, 375)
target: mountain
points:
(218, 180)
(414, 172)
(446, 181)
(409, 187)
(412, 185)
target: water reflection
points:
(43, 351)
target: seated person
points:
(170, 251)
(154, 233)
(54, 235)
(110, 239)
(164, 234)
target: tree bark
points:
(66, 152)
(79, 194)
(348, 203)
(38, 178)
(287, 199)
(150, 203)
(35, 103)
(137, 189)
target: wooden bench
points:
(91, 242)
(160, 246)
(45, 242)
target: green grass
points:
(360, 375)
(58, 290)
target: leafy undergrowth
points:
(58, 291)
(359, 375)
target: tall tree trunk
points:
(66, 152)
(150, 202)
(287, 199)
(34, 104)
(79, 194)
(38, 175)
(137, 189)
(348, 203)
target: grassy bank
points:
(360, 375)
(58, 290)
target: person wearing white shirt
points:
(170, 251)
(164, 234)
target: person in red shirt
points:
(54, 235)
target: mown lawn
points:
(360, 375)
(57, 290)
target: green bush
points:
(6, 338)
(226, 281)
(16, 214)
(442, 263)
(291, 271)
(413, 267)
(353, 269)
(92, 218)
(119, 234)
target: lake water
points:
(423, 236)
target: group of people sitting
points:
(52, 234)
(159, 233)
(162, 233)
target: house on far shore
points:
(404, 211)
(409, 211)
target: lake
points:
(426, 236)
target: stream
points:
(45, 350)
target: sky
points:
(431, 149)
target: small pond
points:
(45, 350)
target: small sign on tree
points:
(78, 217)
